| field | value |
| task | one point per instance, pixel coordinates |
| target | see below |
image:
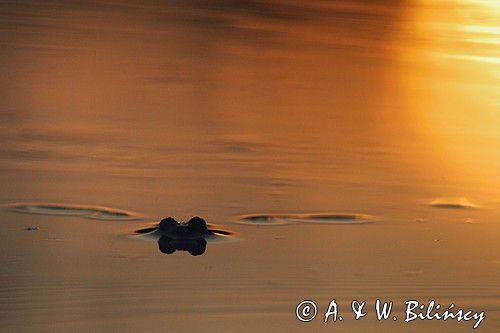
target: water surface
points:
(222, 109)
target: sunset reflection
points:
(351, 147)
(453, 87)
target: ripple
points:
(152, 232)
(471, 221)
(191, 240)
(264, 219)
(453, 203)
(336, 218)
(316, 218)
(85, 211)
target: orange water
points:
(222, 109)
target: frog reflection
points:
(195, 247)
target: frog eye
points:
(199, 224)
(167, 224)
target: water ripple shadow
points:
(313, 218)
(84, 211)
(453, 203)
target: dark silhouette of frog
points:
(186, 236)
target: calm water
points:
(343, 149)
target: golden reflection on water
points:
(347, 92)
(315, 95)
(453, 85)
